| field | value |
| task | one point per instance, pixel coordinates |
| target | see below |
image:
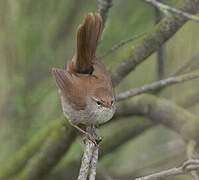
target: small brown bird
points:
(86, 98)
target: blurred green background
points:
(38, 35)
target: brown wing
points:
(100, 70)
(70, 87)
(103, 75)
(87, 40)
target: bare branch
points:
(161, 57)
(194, 174)
(162, 7)
(132, 127)
(160, 110)
(187, 167)
(177, 148)
(120, 44)
(151, 42)
(158, 85)
(93, 164)
(88, 158)
(103, 8)
(161, 53)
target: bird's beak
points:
(108, 106)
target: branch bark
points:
(187, 167)
(86, 159)
(160, 110)
(157, 109)
(93, 163)
(151, 42)
(103, 8)
(161, 53)
(158, 85)
(162, 7)
(132, 128)
(90, 156)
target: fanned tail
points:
(87, 39)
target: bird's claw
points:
(96, 140)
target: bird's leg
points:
(89, 136)
(93, 129)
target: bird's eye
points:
(99, 103)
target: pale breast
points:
(87, 116)
(102, 115)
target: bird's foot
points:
(95, 140)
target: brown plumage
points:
(76, 86)
(86, 98)
(87, 40)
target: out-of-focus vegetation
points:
(38, 35)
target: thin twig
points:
(178, 150)
(158, 85)
(87, 156)
(194, 174)
(93, 163)
(120, 44)
(187, 167)
(88, 151)
(162, 7)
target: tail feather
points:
(87, 39)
